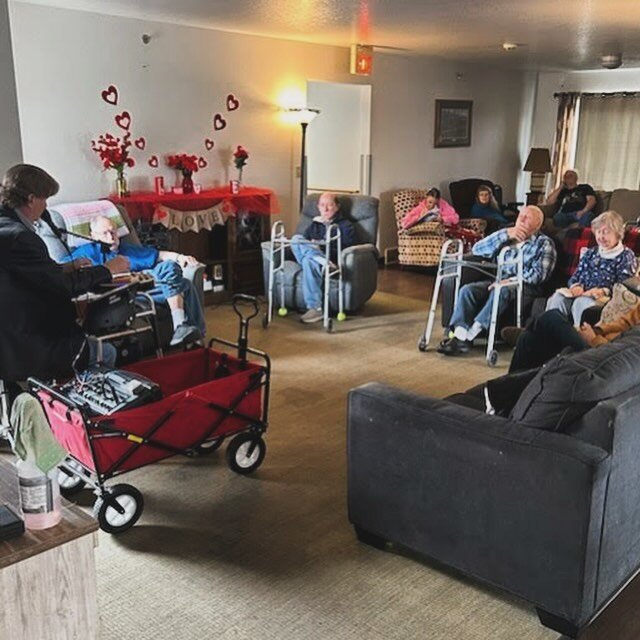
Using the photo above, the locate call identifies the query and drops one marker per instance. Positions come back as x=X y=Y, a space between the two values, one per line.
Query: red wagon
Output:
x=208 y=396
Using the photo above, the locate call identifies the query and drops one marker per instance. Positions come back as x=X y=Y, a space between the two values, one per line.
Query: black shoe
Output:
x=455 y=347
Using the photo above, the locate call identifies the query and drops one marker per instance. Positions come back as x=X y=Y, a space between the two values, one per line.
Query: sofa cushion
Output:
x=626 y=202
x=569 y=386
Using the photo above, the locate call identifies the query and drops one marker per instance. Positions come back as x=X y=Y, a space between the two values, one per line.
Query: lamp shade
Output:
x=539 y=161
x=302 y=116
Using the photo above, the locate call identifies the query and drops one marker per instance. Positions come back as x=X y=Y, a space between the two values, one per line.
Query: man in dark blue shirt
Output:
x=166 y=269
x=312 y=257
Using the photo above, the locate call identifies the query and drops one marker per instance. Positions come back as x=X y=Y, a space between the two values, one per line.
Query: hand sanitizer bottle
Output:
x=39 y=495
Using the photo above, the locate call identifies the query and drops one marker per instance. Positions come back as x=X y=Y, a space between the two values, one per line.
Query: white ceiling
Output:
x=561 y=34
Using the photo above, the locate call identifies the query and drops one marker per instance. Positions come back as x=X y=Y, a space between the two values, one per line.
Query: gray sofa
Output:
x=359 y=262
x=543 y=501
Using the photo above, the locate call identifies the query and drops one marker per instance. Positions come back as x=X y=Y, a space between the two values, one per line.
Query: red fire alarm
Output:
x=361 y=59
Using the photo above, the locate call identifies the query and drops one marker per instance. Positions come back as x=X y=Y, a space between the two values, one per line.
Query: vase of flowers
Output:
x=114 y=154
x=186 y=164
x=240 y=157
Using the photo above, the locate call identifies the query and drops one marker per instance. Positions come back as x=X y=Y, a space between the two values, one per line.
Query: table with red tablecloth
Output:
x=141 y=205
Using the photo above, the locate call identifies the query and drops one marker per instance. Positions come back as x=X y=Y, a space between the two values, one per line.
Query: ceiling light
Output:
x=509 y=46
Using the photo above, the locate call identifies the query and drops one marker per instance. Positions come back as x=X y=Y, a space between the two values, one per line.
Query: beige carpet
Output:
x=273 y=556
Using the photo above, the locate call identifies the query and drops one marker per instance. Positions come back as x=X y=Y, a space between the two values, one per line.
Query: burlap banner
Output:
x=194 y=220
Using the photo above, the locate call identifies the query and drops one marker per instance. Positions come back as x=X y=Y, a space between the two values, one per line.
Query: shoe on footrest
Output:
x=455 y=347
x=185 y=334
x=312 y=315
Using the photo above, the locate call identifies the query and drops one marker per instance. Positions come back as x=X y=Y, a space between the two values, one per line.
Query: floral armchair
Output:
x=421 y=244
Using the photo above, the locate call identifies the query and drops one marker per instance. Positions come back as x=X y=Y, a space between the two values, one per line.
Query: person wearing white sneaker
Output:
x=312 y=258
x=166 y=269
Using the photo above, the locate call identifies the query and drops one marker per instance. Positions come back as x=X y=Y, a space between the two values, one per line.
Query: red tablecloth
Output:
x=142 y=204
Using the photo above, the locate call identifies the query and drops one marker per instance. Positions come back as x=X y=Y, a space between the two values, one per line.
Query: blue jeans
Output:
x=168 y=277
x=474 y=304
x=109 y=353
x=562 y=219
x=570 y=307
x=312 y=259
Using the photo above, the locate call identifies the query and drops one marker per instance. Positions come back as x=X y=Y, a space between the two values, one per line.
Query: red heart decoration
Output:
x=153 y=161
x=110 y=94
x=232 y=102
x=141 y=143
x=202 y=163
x=219 y=122
x=123 y=120
x=160 y=215
x=208 y=143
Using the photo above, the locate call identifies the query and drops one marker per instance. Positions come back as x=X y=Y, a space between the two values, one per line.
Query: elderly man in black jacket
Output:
x=39 y=334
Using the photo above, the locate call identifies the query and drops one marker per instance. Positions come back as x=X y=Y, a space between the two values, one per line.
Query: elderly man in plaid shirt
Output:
x=472 y=312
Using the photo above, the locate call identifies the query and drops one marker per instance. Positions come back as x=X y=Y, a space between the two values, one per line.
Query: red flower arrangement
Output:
x=240 y=157
x=183 y=162
x=114 y=152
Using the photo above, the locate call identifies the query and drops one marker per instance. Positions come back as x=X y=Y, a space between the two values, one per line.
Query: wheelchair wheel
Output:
x=422 y=344
x=245 y=453
x=492 y=358
x=127 y=513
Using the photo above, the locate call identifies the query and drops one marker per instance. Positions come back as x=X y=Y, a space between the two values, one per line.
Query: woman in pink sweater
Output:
x=432 y=208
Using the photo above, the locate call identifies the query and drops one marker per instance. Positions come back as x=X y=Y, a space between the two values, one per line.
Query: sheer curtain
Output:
x=608 y=147
x=564 y=142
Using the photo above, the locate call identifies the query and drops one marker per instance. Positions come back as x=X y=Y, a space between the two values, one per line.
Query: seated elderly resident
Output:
x=472 y=311
x=598 y=270
x=576 y=201
x=166 y=269
x=310 y=254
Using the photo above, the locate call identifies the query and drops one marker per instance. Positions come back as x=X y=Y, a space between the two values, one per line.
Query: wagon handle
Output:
x=243 y=336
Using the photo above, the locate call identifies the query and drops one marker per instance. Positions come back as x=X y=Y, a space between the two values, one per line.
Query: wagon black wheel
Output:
x=245 y=453
x=69 y=482
x=209 y=446
x=114 y=519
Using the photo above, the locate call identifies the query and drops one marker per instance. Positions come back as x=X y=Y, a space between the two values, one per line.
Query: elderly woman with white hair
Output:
x=600 y=267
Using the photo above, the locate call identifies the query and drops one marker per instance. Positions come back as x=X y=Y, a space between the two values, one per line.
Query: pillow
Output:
x=568 y=386
x=622 y=300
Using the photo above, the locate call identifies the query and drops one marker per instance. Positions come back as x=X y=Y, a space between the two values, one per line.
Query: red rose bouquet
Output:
x=240 y=158
x=114 y=154
x=187 y=165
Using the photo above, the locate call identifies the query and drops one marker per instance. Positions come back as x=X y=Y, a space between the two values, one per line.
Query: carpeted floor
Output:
x=217 y=555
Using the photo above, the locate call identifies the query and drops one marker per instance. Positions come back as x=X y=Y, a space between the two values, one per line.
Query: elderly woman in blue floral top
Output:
x=600 y=267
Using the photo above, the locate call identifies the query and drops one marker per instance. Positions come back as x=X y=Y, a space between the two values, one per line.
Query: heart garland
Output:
x=141 y=143
x=153 y=161
x=208 y=143
x=123 y=120
x=232 y=102
x=110 y=94
x=202 y=163
x=219 y=122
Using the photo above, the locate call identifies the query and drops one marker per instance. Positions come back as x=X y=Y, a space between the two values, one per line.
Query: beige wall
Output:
x=175 y=84
x=10 y=148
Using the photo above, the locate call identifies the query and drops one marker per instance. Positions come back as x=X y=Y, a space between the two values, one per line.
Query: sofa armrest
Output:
x=360 y=250
x=195 y=274
x=520 y=508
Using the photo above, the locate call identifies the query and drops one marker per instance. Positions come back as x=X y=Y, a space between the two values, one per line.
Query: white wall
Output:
x=10 y=147
x=175 y=84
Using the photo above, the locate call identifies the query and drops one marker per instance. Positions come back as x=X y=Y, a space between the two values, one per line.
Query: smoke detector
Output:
x=611 y=60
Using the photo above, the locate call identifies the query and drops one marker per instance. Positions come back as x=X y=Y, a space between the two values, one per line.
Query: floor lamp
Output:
x=303 y=117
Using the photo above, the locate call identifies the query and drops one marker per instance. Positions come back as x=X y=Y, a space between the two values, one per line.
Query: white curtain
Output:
x=608 y=147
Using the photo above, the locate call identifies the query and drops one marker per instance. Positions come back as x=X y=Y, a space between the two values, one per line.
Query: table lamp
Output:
x=539 y=163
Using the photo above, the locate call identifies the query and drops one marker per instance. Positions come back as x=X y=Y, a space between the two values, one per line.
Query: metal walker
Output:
x=451 y=263
x=279 y=244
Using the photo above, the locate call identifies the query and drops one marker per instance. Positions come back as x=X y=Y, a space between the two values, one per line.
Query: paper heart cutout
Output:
x=219 y=122
x=202 y=163
x=160 y=215
x=153 y=161
x=110 y=94
x=232 y=102
x=141 y=143
x=208 y=143
x=123 y=120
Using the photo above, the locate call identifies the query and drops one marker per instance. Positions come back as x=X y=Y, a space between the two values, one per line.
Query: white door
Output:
x=338 y=140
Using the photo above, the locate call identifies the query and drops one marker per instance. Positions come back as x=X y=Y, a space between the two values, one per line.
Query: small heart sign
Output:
x=202 y=163
x=219 y=122
x=123 y=120
x=153 y=161
x=208 y=143
x=232 y=102
x=141 y=143
x=110 y=94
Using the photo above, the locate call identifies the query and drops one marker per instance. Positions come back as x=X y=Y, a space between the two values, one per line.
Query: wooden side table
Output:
x=48 y=577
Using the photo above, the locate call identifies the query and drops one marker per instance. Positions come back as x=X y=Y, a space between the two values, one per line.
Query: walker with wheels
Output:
x=279 y=245
x=450 y=266
x=208 y=396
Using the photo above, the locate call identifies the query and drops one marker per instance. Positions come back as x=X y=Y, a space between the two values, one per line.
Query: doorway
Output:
x=338 y=140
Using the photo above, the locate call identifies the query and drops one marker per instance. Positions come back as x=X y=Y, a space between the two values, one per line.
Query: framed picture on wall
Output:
x=453 y=123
